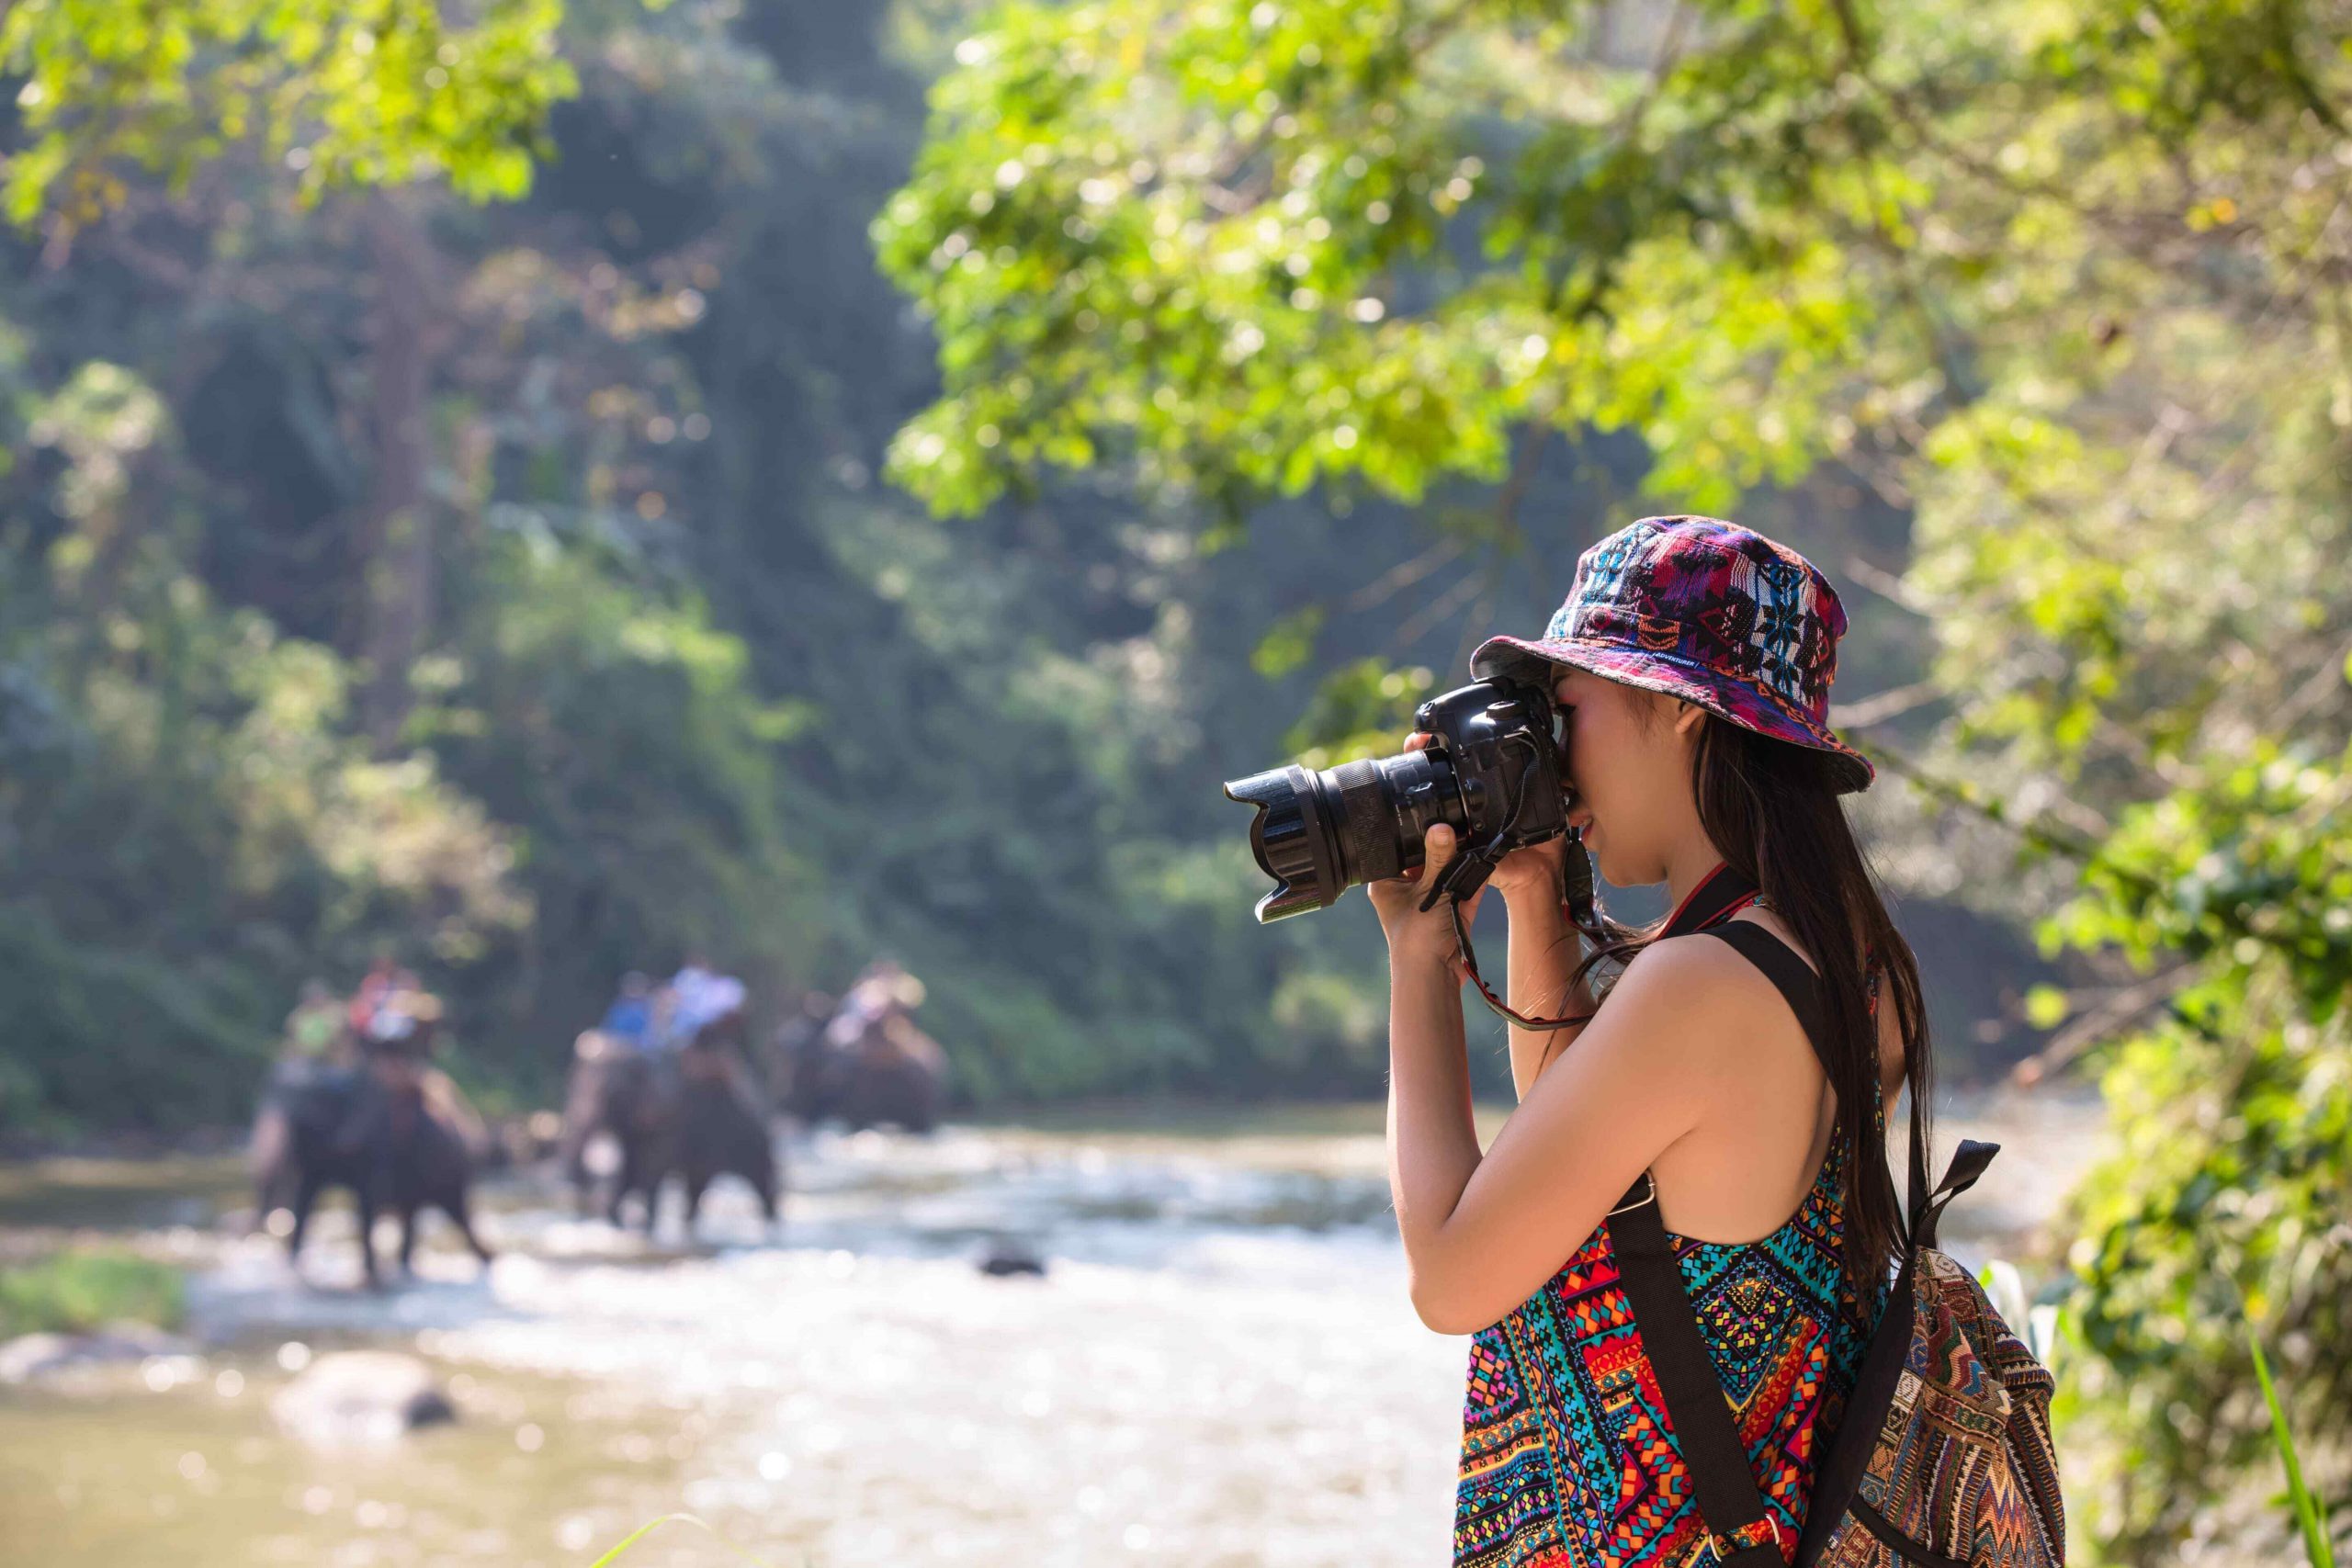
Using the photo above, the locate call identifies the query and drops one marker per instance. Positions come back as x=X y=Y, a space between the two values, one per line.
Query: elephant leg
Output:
x=653 y=1200
x=366 y=1199
x=763 y=1183
x=460 y=1212
x=628 y=1183
x=575 y=1173
x=624 y=1182
x=269 y=1158
x=408 y=1239
x=594 y=1194
x=582 y=1179
x=695 y=1183
x=306 y=1194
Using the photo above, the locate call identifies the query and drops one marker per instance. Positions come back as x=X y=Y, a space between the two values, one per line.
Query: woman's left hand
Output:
x=1413 y=933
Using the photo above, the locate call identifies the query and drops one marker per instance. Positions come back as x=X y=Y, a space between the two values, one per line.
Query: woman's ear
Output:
x=1687 y=721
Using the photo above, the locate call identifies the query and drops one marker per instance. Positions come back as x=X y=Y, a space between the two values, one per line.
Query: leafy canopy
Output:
x=340 y=93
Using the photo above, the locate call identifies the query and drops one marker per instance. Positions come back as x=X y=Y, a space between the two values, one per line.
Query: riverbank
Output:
x=76 y=1291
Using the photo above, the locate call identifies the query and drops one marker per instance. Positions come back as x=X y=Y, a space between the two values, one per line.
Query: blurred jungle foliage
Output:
x=444 y=517
x=445 y=513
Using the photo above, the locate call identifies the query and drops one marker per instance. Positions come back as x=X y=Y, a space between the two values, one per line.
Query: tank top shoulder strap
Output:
x=1805 y=990
x=1791 y=976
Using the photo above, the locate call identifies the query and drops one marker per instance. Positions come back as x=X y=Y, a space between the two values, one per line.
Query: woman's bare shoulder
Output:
x=1691 y=973
x=1890 y=1023
x=1702 y=982
x=1692 y=955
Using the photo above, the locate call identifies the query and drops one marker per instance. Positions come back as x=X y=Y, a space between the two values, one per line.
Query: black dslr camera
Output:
x=1491 y=771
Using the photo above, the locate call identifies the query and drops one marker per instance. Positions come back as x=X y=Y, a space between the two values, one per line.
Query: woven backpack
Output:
x=1943 y=1456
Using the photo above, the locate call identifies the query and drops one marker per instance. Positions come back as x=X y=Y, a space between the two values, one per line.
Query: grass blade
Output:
x=642 y=1532
x=2307 y=1509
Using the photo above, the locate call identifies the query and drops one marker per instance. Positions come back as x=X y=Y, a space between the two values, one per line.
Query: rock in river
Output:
x=361 y=1396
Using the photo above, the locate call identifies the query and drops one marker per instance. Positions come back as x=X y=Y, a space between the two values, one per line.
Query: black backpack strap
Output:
x=1967 y=1163
x=1803 y=990
x=1743 y=1533
x=1731 y=1509
x=1794 y=978
x=1791 y=976
x=1847 y=1454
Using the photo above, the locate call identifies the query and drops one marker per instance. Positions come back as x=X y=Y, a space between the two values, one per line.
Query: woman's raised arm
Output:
x=1481 y=1232
x=1543 y=954
x=1640 y=1078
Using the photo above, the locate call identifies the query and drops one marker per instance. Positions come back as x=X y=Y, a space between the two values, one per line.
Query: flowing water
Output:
x=1219 y=1365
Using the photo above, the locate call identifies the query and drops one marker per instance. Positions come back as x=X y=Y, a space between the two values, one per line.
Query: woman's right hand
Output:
x=1531 y=873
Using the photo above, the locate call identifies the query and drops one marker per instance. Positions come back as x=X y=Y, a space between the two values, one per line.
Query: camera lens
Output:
x=1490 y=767
x=1317 y=833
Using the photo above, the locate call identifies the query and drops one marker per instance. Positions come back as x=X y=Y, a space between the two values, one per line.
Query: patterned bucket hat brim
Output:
x=1708 y=610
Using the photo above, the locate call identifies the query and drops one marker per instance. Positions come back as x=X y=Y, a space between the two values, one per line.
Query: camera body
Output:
x=1491 y=771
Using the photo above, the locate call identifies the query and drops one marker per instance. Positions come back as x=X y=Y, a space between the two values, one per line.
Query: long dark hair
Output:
x=1772 y=809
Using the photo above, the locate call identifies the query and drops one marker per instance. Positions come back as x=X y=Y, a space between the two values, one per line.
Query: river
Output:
x=1218 y=1367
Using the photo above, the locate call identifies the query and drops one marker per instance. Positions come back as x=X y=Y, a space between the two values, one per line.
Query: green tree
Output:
x=372 y=93
x=189 y=826
x=219 y=749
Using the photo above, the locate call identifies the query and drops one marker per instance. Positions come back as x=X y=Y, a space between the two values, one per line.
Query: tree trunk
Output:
x=396 y=540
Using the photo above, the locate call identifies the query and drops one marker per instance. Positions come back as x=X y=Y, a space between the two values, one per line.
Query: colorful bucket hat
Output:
x=1708 y=610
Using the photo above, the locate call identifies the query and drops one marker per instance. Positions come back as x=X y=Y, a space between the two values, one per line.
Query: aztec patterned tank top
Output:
x=1568 y=1458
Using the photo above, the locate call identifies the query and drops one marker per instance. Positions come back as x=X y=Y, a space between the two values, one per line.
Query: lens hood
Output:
x=1291 y=836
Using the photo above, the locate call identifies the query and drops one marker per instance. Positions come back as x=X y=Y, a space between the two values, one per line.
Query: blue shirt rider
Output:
x=629 y=1019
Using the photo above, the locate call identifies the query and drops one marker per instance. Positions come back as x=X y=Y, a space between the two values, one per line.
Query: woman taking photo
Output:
x=1720 y=1102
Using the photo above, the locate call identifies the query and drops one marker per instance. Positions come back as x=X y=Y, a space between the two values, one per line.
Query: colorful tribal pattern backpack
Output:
x=1943 y=1458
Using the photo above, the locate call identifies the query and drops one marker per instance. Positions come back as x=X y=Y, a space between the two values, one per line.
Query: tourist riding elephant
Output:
x=889 y=1072
x=376 y=1131
x=687 y=1112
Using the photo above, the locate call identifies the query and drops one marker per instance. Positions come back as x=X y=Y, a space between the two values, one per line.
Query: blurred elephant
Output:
x=795 y=1056
x=687 y=1112
x=890 y=1072
x=378 y=1131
